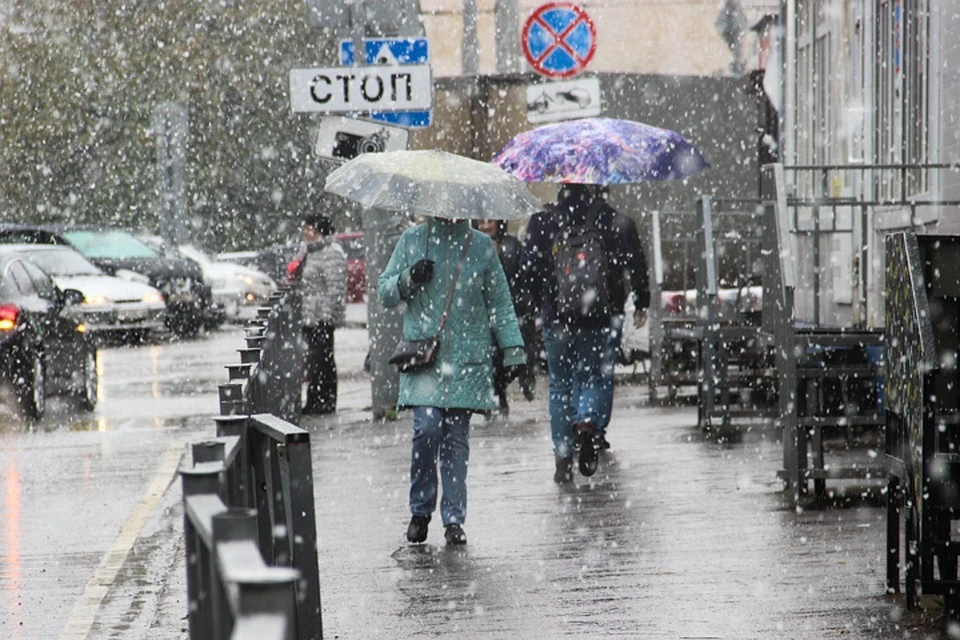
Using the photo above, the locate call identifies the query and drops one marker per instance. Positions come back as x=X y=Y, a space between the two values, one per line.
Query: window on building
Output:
x=903 y=93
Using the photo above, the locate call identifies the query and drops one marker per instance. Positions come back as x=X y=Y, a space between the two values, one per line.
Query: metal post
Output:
x=655 y=320
x=706 y=311
x=507 y=39
x=233 y=524
x=469 y=53
x=381 y=230
x=169 y=125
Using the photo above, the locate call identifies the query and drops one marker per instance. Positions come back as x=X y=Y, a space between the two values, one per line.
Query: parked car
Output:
x=120 y=253
x=110 y=305
x=276 y=261
x=232 y=285
x=353 y=244
x=271 y=261
x=44 y=346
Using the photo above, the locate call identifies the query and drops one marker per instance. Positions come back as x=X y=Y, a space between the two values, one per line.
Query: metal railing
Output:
x=269 y=376
x=735 y=379
x=250 y=533
x=826 y=374
x=249 y=511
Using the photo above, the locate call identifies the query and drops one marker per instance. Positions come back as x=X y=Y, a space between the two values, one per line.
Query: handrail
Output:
x=274 y=385
x=268 y=378
x=249 y=521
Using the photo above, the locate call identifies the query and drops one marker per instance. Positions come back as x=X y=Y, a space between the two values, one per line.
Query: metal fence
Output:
x=828 y=376
x=269 y=376
x=249 y=511
x=250 y=533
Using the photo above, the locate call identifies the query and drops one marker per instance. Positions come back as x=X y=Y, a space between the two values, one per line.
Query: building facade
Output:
x=869 y=116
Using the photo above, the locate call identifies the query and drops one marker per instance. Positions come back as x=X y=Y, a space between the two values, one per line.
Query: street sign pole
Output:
x=169 y=125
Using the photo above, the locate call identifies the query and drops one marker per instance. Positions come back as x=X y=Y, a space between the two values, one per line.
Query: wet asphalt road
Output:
x=677 y=536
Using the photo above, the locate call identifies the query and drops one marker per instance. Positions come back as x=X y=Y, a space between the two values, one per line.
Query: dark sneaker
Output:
x=564 y=472
x=601 y=442
x=588 y=452
x=417 y=531
x=454 y=534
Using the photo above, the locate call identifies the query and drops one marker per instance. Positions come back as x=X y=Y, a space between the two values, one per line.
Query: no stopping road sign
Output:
x=559 y=40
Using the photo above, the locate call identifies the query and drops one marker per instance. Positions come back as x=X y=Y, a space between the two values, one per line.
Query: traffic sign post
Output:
x=559 y=40
x=394 y=52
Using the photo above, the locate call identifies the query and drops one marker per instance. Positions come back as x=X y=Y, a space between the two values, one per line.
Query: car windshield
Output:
x=117 y=245
x=64 y=263
x=189 y=251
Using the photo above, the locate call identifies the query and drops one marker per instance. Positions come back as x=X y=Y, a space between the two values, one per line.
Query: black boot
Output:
x=417 y=531
x=454 y=534
x=564 y=472
x=588 y=451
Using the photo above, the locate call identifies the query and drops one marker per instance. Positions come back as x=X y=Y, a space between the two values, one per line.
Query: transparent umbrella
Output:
x=434 y=183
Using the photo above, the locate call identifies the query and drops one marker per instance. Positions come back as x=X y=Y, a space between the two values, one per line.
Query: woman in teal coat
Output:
x=420 y=273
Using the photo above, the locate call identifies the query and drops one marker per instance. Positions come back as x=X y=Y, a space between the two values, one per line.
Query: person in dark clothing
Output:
x=321 y=273
x=508 y=249
x=631 y=276
x=576 y=348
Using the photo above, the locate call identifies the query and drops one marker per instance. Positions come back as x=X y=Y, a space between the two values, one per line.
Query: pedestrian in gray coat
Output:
x=322 y=276
x=443 y=397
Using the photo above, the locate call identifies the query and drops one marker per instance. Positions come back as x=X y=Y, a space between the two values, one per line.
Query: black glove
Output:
x=517 y=371
x=422 y=271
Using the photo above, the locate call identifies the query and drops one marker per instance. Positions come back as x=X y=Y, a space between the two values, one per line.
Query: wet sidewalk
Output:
x=676 y=536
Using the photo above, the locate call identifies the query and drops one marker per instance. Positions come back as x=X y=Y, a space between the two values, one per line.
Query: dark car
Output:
x=44 y=347
x=352 y=244
x=120 y=253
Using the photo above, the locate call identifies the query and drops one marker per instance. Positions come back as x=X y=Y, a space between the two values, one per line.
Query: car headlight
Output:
x=96 y=299
x=153 y=297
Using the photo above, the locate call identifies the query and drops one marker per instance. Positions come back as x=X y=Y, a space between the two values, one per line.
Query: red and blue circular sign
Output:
x=559 y=40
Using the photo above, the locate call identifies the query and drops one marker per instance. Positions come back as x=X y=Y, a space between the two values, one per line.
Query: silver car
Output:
x=111 y=304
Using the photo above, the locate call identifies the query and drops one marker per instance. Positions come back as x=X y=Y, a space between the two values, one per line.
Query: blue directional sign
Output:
x=393 y=51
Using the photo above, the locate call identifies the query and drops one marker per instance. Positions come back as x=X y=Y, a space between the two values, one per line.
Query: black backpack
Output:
x=580 y=269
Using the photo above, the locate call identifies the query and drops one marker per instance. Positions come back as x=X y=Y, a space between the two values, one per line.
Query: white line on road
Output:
x=85 y=609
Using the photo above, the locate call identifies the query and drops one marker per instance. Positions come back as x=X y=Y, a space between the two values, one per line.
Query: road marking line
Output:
x=84 y=611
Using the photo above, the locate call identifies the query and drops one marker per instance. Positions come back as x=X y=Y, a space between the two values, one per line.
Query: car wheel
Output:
x=87 y=393
x=32 y=392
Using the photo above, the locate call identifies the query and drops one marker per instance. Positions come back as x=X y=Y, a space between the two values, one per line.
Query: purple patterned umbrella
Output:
x=599 y=151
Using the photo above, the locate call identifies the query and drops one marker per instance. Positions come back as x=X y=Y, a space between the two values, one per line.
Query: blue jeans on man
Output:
x=440 y=435
x=574 y=360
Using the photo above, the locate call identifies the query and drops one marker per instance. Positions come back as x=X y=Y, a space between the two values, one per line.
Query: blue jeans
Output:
x=440 y=434
x=574 y=358
x=611 y=349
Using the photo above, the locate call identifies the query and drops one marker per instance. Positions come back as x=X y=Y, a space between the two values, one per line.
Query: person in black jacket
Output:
x=579 y=351
x=508 y=249
x=630 y=276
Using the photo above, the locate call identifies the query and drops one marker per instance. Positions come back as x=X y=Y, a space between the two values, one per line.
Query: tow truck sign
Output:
x=361 y=89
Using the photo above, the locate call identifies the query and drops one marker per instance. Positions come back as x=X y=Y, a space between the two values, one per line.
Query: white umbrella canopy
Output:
x=433 y=183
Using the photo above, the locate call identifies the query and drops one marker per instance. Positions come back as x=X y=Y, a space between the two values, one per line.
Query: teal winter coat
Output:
x=481 y=310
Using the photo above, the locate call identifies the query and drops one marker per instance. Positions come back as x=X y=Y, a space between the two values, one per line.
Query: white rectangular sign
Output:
x=361 y=89
x=345 y=138
x=555 y=101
